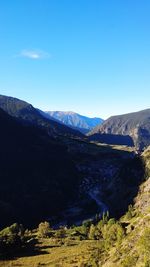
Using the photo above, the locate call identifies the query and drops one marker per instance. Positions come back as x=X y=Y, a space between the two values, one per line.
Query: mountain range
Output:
x=44 y=161
x=74 y=120
x=132 y=129
x=30 y=115
x=52 y=172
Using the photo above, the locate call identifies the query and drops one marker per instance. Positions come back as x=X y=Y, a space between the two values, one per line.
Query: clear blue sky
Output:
x=88 y=56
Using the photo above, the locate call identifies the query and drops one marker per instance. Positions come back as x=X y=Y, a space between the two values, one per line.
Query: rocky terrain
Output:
x=135 y=126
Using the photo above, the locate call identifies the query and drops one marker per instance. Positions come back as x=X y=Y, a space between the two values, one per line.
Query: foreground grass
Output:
x=54 y=253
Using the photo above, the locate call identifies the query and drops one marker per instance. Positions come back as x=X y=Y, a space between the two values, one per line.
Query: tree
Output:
x=91 y=234
x=44 y=229
x=112 y=234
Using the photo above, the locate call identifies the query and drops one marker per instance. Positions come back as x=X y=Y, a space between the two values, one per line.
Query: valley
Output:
x=85 y=193
x=101 y=179
x=103 y=242
x=74 y=133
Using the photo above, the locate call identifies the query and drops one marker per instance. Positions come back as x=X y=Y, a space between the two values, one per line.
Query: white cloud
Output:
x=34 y=54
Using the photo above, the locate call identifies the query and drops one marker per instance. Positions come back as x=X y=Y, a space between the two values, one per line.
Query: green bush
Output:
x=130 y=213
x=91 y=234
x=44 y=230
x=112 y=234
x=61 y=232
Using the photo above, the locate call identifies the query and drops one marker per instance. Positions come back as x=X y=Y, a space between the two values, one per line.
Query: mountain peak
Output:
x=75 y=120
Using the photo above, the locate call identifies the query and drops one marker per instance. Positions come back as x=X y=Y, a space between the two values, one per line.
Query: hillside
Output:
x=135 y=126
x=76 y=121
x=37 y=178
x=101 y=243
x=25 y=111
x=134 y=249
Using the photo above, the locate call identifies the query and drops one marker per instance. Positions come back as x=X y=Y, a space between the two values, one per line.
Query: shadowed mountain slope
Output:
x=25 y=111
x=37 y=176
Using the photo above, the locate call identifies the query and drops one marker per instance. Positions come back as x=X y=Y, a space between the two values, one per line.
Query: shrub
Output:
x=61 y=232
x=112 y=234
x=91 y=234
x=84 y=229
x=44 y=230
x=130 y=213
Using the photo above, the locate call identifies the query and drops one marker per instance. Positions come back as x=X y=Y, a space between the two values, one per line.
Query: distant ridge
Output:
x=76 y=121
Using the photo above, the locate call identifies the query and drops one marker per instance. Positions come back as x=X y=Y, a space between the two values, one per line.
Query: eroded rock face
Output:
x=136 y=125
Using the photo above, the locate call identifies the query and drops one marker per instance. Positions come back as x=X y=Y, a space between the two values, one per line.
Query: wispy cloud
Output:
x=34 y=54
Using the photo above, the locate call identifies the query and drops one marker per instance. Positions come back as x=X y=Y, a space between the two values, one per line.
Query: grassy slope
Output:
x=75 y=254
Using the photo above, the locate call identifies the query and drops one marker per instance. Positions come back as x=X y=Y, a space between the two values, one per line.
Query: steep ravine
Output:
x=103 y=181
